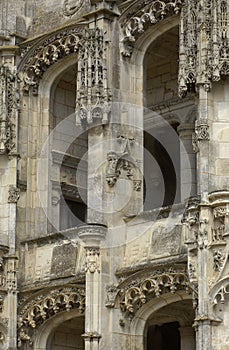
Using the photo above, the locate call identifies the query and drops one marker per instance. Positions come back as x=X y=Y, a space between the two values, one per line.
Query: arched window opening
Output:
x=161 y=171
x=165 y=116
x=69 y=150
x=171 y=327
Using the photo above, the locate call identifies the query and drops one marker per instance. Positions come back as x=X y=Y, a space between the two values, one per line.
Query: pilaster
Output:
x=92 y=237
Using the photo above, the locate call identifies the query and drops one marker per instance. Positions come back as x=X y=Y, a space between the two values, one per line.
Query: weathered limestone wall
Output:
x=219 y=136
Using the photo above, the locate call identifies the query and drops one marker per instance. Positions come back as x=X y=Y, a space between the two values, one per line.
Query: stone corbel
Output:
x=112 y=291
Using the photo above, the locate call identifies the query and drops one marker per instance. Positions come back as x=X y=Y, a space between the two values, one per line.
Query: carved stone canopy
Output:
x=138 y=17
x=38 y=56
x=33 y=313
x=136 y=293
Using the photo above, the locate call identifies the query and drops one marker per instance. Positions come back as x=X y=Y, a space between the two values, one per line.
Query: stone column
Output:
x=187 y=161
x=187 y=335
x=92 y=237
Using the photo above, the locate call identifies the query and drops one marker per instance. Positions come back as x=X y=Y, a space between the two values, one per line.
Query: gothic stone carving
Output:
x=123 y=164
x=46 y=305
x=205 y=23
x=143 y=14
x=218 y=258
x=201 y=134
x=218 y=230
x=14 y=194
x=9 y=108
x=134 y=296
x=93 y=96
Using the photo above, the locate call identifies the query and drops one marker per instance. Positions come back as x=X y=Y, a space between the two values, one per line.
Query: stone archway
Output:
x=171 y=327
x=45 y=311
x=67 y=335
x=162 y=309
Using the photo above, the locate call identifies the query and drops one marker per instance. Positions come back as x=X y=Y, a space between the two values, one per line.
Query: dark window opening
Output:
x=164 y=337
x=161 y=173
x=72 y=213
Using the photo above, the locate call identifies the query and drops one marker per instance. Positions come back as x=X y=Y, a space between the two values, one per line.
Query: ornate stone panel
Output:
x=93 y=95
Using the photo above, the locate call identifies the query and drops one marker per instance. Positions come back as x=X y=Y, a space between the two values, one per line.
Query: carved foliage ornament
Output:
x=9 y=108
x=132 y=298
x=45 y=306
x=204 y=44
x=143 y=14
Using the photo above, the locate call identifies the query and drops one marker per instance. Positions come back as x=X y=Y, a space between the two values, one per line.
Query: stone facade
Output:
x=114 y=164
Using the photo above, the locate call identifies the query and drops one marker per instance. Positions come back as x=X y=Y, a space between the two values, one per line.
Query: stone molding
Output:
x=92 y=234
